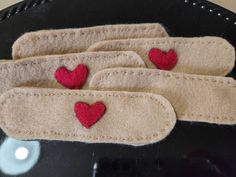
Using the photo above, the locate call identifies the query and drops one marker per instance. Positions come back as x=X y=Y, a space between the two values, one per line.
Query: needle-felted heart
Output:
x=72 y=79
x=89 y=114
x=162 y=60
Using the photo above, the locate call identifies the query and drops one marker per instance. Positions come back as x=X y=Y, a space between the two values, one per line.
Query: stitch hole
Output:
x=3 y=123
x=130 y=139
x=74 y=135
x=168 y=75
x=30 y=132
x=114 y=138
x=162 y=130
x=167 y=124
x=155 y=135
x=67 y=134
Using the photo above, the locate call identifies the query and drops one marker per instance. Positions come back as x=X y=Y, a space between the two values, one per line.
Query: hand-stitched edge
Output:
x=142 y=27
x=106 y=73
x=153 y=41
x=61 y=58
x=167 y=107
x=213 y=119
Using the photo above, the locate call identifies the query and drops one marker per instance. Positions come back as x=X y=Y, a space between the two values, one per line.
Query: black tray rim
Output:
x=210 y=7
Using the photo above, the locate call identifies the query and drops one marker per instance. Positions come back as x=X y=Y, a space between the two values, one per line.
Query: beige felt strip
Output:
x=77 y=40
x=205 y=55
x=130 y=118
x=195 y=98
x=39 y=71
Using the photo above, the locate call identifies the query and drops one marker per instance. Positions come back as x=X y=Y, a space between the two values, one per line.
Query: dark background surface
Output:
x=192 y=149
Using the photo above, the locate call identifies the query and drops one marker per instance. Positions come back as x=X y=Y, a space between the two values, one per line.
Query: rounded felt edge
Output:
x=98 y=76
x=98 y=46
x=130 y=54
x=172 y=117
x=136 y=56
x=231 y=62
x=24 y=37
x=96 y=84
x=231 y=57
x=18 y=134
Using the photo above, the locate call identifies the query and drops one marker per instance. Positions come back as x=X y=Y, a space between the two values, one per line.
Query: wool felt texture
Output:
x=39 y=71
x=194 y=97
x=74 y=79
x=47 y=42
x=162 y=60
x=130 y=118
x=201 y=55
x=89 y=114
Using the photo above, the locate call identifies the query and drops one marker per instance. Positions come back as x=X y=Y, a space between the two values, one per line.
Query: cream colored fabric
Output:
x=39 y=71
x=130 y=118
x=195 y=98
x=77 y=40
x=205 y=55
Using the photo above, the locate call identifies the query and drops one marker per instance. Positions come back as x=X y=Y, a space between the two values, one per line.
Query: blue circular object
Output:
x=17 y=157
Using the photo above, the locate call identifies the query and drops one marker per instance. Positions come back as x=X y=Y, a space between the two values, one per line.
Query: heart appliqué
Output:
x=89 y=114
x=72 y=79
x=163 y=60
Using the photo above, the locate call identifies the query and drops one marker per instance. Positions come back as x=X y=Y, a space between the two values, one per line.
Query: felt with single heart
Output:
x=48 y=42
x=72 y=79
x=39 y=71
x=89 y=114
x=194 y=97
x=124 y=121
x=200 y=55
x=163 y=60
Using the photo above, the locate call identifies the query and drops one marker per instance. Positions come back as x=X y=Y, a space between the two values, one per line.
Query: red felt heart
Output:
x=89 y=115
x=72 y=79
x=162 y=60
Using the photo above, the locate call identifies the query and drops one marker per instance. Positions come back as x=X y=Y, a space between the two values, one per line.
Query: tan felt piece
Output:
x=63 y=41
x=39 y=71
x=204 y=55
x=195 y=98
x=130 y=118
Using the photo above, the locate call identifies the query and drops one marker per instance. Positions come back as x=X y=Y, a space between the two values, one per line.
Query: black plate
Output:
x=192 y=149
